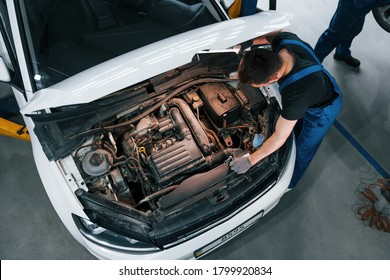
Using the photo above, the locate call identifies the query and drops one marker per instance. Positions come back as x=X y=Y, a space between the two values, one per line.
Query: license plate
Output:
x=224 y=238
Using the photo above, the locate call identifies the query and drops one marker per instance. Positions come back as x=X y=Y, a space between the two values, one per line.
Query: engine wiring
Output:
x=212 y=135
x=374 y=207
x=152 y=108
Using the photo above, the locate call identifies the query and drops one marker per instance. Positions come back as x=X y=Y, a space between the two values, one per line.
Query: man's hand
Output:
x=240 y=165
x=282 y=131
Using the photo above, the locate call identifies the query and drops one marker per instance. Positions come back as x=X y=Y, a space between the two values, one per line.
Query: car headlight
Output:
x=110 y=239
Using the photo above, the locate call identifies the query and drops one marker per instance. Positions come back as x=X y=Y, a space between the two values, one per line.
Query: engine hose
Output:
x=211 y=134
x=151 y=109
x=368 y=212
x=179 y=123
x=164 y=100
x=200 y=135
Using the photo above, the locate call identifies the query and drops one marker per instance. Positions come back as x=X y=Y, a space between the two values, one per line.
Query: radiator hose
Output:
x=197 y=130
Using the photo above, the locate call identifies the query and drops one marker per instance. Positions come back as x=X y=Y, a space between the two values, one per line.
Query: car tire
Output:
x=272 y=4
x=382 y=16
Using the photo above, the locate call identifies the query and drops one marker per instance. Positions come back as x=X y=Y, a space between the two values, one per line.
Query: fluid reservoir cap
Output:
x=195 y=98
x=96 y=163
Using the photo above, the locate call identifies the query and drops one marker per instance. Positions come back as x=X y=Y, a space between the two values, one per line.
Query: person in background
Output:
x=241 y=8
x=347 y=22
x=248 y=7
x=311 y=98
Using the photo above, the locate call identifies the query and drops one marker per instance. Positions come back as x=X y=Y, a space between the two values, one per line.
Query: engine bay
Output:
x=199 y=129
x=151 y=161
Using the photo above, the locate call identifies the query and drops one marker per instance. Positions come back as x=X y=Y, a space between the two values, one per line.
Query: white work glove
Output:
x=240 y=165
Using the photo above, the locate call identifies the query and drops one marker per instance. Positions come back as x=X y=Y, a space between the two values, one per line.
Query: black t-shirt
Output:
x=312 y=91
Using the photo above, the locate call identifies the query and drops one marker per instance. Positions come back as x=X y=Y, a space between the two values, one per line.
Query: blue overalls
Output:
x=312 y=128
x=347 y=22
x=248 y=7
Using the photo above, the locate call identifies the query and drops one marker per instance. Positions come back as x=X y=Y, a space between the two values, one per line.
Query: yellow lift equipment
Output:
x=12 y=129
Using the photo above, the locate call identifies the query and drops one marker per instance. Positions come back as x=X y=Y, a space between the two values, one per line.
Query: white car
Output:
x=134 y=112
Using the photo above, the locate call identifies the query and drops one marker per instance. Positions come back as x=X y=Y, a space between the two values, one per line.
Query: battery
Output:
x=221 y=106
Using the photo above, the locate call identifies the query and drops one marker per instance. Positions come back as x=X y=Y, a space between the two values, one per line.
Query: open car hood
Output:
x=153 y=59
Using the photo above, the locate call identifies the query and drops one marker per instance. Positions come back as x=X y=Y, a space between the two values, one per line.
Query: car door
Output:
x=10 y=71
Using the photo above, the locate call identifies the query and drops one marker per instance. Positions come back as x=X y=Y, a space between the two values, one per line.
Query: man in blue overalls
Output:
x=311 y=98
x=347 y=22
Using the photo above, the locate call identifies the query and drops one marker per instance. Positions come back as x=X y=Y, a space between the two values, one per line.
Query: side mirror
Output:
x=4 y=71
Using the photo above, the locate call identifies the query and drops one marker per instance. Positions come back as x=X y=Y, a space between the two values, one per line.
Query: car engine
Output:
x=149 y=154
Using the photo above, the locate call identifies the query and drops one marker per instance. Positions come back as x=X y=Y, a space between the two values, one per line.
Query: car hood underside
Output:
x=138 y=65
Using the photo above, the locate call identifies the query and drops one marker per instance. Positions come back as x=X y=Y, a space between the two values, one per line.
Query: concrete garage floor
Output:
x=314 y=221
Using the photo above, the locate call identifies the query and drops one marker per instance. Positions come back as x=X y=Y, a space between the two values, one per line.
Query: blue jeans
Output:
x=309 y=132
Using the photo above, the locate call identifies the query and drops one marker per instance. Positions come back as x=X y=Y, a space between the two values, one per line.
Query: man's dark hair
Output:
x=258 y=66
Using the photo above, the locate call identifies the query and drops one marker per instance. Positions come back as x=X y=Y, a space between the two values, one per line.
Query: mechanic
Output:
x=311 y=98
x=347 y=22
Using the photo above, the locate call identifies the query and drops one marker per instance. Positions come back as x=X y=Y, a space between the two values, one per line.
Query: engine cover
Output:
x=175 y=159
x=220 y=103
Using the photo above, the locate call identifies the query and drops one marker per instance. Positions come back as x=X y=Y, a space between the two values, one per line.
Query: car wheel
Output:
x=382 y=17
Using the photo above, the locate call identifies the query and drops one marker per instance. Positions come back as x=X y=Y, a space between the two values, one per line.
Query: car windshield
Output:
x=65 y=37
